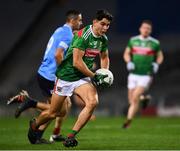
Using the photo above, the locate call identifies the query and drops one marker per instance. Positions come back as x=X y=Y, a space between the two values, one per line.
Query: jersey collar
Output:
x=142 y=38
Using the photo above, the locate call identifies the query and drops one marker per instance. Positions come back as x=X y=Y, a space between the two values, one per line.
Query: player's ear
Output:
x=95 y=21
x=72 y=21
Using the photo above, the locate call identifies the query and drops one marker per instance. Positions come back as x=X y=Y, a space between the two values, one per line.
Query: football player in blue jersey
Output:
x=54 y=54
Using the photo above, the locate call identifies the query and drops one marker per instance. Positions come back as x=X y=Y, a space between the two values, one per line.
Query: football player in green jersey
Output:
x=54 y=54
x=74 y=75
x=143 y=57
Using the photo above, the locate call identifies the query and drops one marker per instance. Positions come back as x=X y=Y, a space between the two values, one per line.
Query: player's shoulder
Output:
x=154 y=40
x=63 y=30
x=84 y=32
x=59 y=30
x=63 y=33
x=135 y=37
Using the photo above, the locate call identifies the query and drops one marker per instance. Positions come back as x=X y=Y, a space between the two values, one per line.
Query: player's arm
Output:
x=127 y=58
x=127 y=55
x=104 y=58
x=59 y=55
x=160 y=57
x=79 y=63
x=62 y=47
x=158 y=61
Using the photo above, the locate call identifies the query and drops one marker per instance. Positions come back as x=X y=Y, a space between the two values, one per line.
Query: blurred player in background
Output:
x=54 y=54
x=143 y=56
x=74 y=73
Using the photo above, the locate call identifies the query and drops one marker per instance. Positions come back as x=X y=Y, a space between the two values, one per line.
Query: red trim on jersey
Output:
x=80 y=32
x=143 y=51
x=91 y=52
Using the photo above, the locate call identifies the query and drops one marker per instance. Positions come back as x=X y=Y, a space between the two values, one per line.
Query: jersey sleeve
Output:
x=79 y=42
x=64 y=43
x=129 y=45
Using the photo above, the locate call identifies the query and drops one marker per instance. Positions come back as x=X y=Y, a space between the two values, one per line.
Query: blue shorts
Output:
x=46 y=86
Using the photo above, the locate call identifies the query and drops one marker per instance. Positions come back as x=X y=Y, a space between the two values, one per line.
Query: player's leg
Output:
x=89 y=95
x=131 y=88
x=81 y=104
x=56 y=136
x=130 y=94
x=25 y=102
x=54 y=110
x=145 y=99
x=136 y=87
x=134 y=105
x=30 y=103
x=135 y=102
x=46 y=88
x=46 y=116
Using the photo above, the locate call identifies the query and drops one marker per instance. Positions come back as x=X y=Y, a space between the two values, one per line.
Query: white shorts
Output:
x=66 y=88
x=135 y=80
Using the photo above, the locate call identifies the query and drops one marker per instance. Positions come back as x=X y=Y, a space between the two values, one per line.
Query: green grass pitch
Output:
x=105 y=133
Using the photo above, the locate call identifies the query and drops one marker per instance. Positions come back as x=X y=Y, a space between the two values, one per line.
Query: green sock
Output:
x=73 y=133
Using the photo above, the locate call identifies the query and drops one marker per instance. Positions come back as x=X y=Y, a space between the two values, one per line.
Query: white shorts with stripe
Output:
x=135 y=80
x=66 y=88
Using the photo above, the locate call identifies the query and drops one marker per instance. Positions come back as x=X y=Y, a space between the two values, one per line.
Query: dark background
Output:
x=26 y=25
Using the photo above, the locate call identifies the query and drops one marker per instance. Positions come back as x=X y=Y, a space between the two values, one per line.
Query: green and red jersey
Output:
x=143 y=53
x=86 y=41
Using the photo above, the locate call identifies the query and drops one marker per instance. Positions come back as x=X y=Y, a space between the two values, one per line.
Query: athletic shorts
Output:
x=66 y=88
x=135 y=80
x=46 y=86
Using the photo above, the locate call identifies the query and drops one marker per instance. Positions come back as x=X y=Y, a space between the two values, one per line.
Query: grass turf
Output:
x=101 y=134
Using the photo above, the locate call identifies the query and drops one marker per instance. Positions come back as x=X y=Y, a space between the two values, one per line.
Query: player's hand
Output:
x=155 y=67
x=98 y=80
x=130 y=66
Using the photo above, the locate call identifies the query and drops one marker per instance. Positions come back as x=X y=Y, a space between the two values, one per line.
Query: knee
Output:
x=52 y=114
x=92 y=103
x=135 y=98
x=134 y=103
x=62 y=113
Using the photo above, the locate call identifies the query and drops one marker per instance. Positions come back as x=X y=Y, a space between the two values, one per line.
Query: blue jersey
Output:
x=61 y=38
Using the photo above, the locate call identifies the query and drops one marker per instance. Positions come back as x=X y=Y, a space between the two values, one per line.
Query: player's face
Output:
x=101 y=26
x=145 y=30
x=77 y=22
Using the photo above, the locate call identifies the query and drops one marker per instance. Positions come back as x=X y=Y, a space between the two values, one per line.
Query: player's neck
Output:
x=144 y=37
x=70 y=25
x=94 y=31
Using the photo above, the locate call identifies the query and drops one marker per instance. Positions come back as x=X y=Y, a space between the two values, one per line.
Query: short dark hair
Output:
x=72 y=14
x=149 y=22
x=100 y=14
